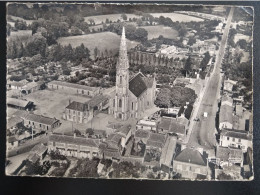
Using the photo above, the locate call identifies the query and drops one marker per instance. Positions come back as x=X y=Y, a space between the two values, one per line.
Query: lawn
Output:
x=156 y=31
x=112 y=17
x=178 y=17
x=102 y=40
x=20 y=36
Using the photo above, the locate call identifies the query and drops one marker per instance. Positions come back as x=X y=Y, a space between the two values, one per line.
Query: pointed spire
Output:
x=123 y=59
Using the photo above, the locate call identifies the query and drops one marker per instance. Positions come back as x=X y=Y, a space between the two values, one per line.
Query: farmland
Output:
x=156 y=31
x=178 y=17
x=102 y=40
x=20 y=35
x=110 y=17
x=28 y=22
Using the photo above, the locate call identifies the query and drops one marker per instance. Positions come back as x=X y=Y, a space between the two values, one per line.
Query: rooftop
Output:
x=30 y=85
x=191 y=156
x=236 y=134
x=78 y=106
x=137 y=85
x=224 y=154
x=18 y=102
x=13 y=121
x=40 y=119
x=73 y=85
x=97 y=100
x=141 y=133
x=73 y=140
x=226 y=114
x=39 y=149
x=168 y=151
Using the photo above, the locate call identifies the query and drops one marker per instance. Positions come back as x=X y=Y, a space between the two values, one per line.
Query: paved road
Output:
x=203 y=132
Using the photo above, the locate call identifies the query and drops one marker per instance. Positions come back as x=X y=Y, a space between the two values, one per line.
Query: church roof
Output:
x=137 y=85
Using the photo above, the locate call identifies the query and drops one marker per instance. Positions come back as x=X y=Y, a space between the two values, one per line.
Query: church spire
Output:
x=123 y=59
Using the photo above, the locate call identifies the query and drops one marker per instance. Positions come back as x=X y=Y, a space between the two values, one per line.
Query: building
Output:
x=228 y=86
x=191 y=164
x=13 y=122
x=133 y=95
x=74 y=88
x=40 y=122
x=226 y=117
x=79 y=147
x=30 y=87
x=78 y=112
x=12 y=143
x=15 y=85
x=229 y=156
x=156 y=141
x=168 y=153
x=236 y=139
x=38 y=152
x=19 y=104
x=146 y=125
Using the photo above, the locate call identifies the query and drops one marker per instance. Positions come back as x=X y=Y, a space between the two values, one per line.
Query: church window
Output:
x=120 y=103
x=120 y=79
x=148 y=103
x=132 y=105
x=113 y=102
x=82 y=91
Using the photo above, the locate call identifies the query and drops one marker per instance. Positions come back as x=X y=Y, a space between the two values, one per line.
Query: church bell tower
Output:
x=122 y=81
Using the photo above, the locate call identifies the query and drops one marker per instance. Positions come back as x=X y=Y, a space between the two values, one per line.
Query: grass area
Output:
x=178 y=17
x=20 y=36
x=241 y=36
x=156 y=31
x=112 y=17
x=28 y=22
x=102 y=40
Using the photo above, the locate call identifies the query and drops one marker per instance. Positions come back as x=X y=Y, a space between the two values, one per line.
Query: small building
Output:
x=38 y=152
x=30 y=87
x=228 y=85
x=15 y=85
x=19 y=104
x=74 y=88
x=12 y=143
x=168 y=153
x=227 y=100
x=13 y=122
x=236 y=139
x=146 y=125
x=191 y=164
x=99 y=102
x=156 y=141
x=79 y=147
x=78 y=112
x=229 y=156
x=41 y=122
x=226 y=117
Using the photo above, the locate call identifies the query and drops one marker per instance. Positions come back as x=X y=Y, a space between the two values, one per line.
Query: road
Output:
x=203 y=132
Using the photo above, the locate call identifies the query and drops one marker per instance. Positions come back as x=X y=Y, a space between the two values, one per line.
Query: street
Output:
x=203 y=132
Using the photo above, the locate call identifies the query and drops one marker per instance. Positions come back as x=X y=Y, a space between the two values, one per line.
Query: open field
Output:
x=241 y=36
x=178 y=17
x=52 y=103
x=112 y=17
x=102 y=40
x=20 y=36
x=28 y=22
x=156 y=31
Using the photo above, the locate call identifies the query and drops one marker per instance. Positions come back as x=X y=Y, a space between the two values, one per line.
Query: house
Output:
x=79 y=147
x=38 y=152
x=239 y=110
x=13 y=122
x=226 y=117
x=227 y=100
x=228 y=85
x=12 y=143
x=229 y=156
x=191 y=164
x=19 y=104
x=78 y=112
x=41 y=122
x=15 y=85
x=168 y=153
x=74 y=88
x=100 y=168
x=99 y=102
x=236 y=138
x=156 y=141
x=146 y=125
x=30 y=87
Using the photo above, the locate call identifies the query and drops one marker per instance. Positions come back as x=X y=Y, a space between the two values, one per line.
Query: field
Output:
x=102 y=40
x=28 y=22
x=112 y=17
x=241 y=36
x=156 y=31
x=178 y=17
x=20 y=36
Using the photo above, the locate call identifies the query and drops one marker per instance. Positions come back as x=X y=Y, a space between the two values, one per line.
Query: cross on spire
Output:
x=123 y=59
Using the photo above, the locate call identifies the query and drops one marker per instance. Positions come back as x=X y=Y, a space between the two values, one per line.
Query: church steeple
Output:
x=123 y=59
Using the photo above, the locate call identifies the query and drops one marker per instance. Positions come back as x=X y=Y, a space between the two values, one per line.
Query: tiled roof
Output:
x=154 y=144
x=177 y=127
x=97 y=100
x=141 y=133
x=165 y=123
x=224 y=154
x=78 y=106
x=137 y=85
x=124 y=130
x=71 y=140
x=17 y=84
x=114 y=137
x=17 y=102
x=226 y=114
x=156 y=140
x=30 y=85
x=39 y=149
x=40 y=119
x=168 y=151
x=20 y=113
x=12 y=139
x=191 y=156
x=13 y=121
x=236 y=134
x=73 y=85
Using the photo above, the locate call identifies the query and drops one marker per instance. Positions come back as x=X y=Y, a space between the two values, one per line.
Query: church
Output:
x=133 y=94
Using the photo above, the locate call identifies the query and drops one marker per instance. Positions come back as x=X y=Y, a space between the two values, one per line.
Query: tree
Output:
x=36 y=45
x=163 y=98
x=95 y=52
x=205 y=61
x=141 y=34
x=124 y=16
x=89 y=131
x=242 y=44
x=188 y=65
x=139 y=22
x=20 y=25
